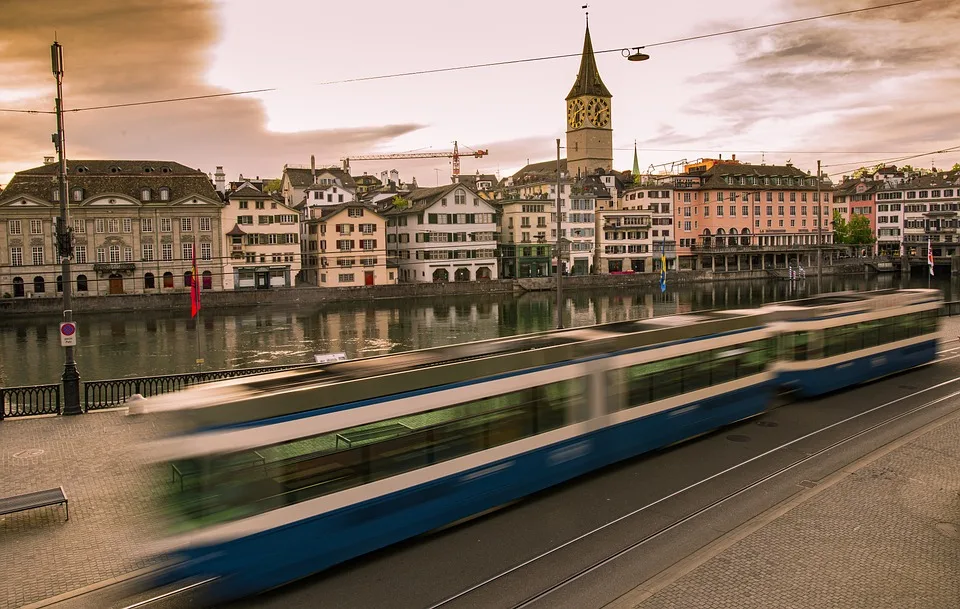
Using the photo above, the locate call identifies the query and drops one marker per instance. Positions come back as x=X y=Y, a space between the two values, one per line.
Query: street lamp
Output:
x=635 y=55
x=71 y=377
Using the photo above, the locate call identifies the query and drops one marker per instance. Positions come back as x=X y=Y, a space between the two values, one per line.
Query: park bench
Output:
x=29 y=501
x=183 y=469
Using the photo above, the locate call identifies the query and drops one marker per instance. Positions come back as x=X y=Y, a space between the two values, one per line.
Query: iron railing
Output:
x=111 y=393
x=29 y=400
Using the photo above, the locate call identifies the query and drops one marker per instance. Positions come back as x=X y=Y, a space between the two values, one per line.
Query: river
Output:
x=153 y=343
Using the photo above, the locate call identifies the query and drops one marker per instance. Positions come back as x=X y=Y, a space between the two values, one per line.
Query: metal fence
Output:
x=29 y=400
x=114 y=392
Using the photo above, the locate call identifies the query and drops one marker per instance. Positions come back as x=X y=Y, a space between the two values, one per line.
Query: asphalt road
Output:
x=565 y=530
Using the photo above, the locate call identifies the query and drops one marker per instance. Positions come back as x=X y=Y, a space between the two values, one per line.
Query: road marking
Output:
x=169 y=594
x=602 y=527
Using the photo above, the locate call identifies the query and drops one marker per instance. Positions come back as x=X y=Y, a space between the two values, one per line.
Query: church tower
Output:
x=589 y=126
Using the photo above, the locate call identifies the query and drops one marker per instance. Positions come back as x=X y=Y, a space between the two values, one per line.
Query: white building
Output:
x=262 y=236
x=298 y=178
x=446 y=233
x=656 y=197
x=623 y=242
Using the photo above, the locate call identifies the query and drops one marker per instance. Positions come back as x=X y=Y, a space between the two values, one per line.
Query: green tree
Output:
x=840 y=230
x=956 y=167
x=272 y=186
x=399 y=202
x=858 y=230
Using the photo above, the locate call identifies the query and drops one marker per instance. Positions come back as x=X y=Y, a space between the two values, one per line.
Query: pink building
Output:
x=858 y=196
x=734 y=216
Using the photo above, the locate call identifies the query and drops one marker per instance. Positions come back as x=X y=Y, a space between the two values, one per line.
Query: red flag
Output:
x=194 y=287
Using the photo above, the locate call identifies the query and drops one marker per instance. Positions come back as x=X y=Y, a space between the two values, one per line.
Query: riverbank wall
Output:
x=310 y=295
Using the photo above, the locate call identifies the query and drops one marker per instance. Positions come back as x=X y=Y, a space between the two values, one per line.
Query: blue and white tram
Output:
x=838 y=341
x=279 y=498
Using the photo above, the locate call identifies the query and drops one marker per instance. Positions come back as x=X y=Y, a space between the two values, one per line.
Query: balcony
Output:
x=114 y=267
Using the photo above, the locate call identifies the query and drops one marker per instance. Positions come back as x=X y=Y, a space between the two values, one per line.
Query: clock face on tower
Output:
x=575 y=113
x=598 y=111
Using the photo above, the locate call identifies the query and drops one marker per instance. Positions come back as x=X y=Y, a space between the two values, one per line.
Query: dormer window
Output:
x=147 y=169
x=56 y=194
x=78 y=194
x=145 y=194
x=164 y=194
x=165 y=170
x=114 y=169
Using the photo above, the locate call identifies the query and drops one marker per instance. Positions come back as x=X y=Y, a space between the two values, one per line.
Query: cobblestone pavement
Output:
x=886 y=536
x=94 y=458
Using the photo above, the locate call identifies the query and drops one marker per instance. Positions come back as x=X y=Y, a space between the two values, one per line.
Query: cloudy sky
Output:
x=848 y=90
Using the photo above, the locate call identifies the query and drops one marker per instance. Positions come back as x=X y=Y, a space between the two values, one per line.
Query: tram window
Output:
x=306 y=468
x=930 y=320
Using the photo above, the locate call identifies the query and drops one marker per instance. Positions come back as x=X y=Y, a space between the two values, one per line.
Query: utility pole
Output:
x=71 y=377
x=559 y=248
x=819 y=234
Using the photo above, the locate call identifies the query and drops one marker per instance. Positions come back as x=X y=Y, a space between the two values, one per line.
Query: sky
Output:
x=849 y=90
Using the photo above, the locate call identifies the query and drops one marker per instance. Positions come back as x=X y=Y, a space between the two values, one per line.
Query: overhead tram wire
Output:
x=892 y=160
x=486 y=64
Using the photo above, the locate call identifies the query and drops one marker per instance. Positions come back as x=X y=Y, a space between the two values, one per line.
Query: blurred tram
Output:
x=284 y=475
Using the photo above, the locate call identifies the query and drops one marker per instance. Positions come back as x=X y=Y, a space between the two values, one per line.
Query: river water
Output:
x=167 y=342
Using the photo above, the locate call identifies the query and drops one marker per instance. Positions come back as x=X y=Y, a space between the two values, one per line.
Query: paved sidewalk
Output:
x=882 y=533
x=94 y=458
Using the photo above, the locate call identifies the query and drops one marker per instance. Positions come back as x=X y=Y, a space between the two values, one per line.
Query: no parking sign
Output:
x=68 y=334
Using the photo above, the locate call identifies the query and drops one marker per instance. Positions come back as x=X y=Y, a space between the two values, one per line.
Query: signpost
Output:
x=68 y=334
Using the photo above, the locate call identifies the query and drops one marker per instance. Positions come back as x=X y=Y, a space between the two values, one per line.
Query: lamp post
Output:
x=70 y=377
x=819 y=234
x=559 y=272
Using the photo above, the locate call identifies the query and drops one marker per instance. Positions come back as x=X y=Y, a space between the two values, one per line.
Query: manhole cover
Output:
x=768 y=424
x=949 y=529
x=29 y=453
x=738 y=438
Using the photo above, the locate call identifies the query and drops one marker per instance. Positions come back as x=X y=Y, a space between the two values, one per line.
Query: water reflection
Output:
x=140 y=344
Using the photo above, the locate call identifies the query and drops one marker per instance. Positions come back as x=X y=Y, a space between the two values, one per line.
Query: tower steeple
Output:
x=589 y=118
x=636 y=164
x=588 y=78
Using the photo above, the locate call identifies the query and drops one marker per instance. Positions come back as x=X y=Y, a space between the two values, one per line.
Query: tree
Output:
x=956 y=167
x=840 y=230
x=272 y=186
x=858 y=230
x=399 y=202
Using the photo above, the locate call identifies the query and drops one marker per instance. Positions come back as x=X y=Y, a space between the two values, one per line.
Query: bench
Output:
x=377 y=433
x=29 y=501
x=188 y=468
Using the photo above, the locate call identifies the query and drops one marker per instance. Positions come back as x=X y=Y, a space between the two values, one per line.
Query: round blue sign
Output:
x=68 y=329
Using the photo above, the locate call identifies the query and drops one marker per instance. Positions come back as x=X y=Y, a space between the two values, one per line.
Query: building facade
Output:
x=261 y=242
x=136 y=226
x=346 y=247
x=525 y=249
x=446 y=233
x=654 y=194
x=297 y=178
x=734 y=216
x=623 y=242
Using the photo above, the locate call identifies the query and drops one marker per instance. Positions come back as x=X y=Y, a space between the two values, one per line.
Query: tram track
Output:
x=563 y=583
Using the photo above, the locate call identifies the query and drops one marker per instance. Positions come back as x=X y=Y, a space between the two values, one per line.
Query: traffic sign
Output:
x=68 y=334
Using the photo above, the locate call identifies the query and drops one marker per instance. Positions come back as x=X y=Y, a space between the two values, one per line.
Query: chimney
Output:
x=395 y=176
x=313 y=169
x=48 y=160
x=733 y=157
x=220 y=179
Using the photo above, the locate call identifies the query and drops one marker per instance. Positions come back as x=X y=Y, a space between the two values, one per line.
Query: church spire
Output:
x=636 y=164
x=588 y=78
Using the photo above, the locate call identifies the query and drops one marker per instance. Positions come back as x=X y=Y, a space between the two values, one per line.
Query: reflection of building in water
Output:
x=357 y=333
x=447 y=323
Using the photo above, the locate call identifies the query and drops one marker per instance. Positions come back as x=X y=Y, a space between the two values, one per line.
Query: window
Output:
x=100 y=225
x=245 y=204
x=779 y=210
x=793 y=197
x=146 y=225
x=166 y=225
x=128 y=225
x=145 y=194
x=345 y=277
x=745 y=210
x=188 y=279
x=769 y=197
x=37 y=255
x=186 y=225
x=16 y=256
x=459 y=198
x=368 y=244
x=38 y=285
x=146 y=252
x=14 y=227
x=114 y=253
x=355 y=212
x=259 y=205
x=78 y=194
x=166 y=252
x=80 y=254
x=164 y=194
x=168 y=279
x=402 y=444
x=149 y=282
x=36 y=227
x=79 y=226
x=206 y=251
x=186 y=251
x=205 y=224
x=113 y=226
x=207 y=277
x=344 y=244
x=793 y=210
x=128 y=254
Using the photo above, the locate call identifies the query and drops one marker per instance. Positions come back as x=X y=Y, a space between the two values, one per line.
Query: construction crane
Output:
x=455 y=155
